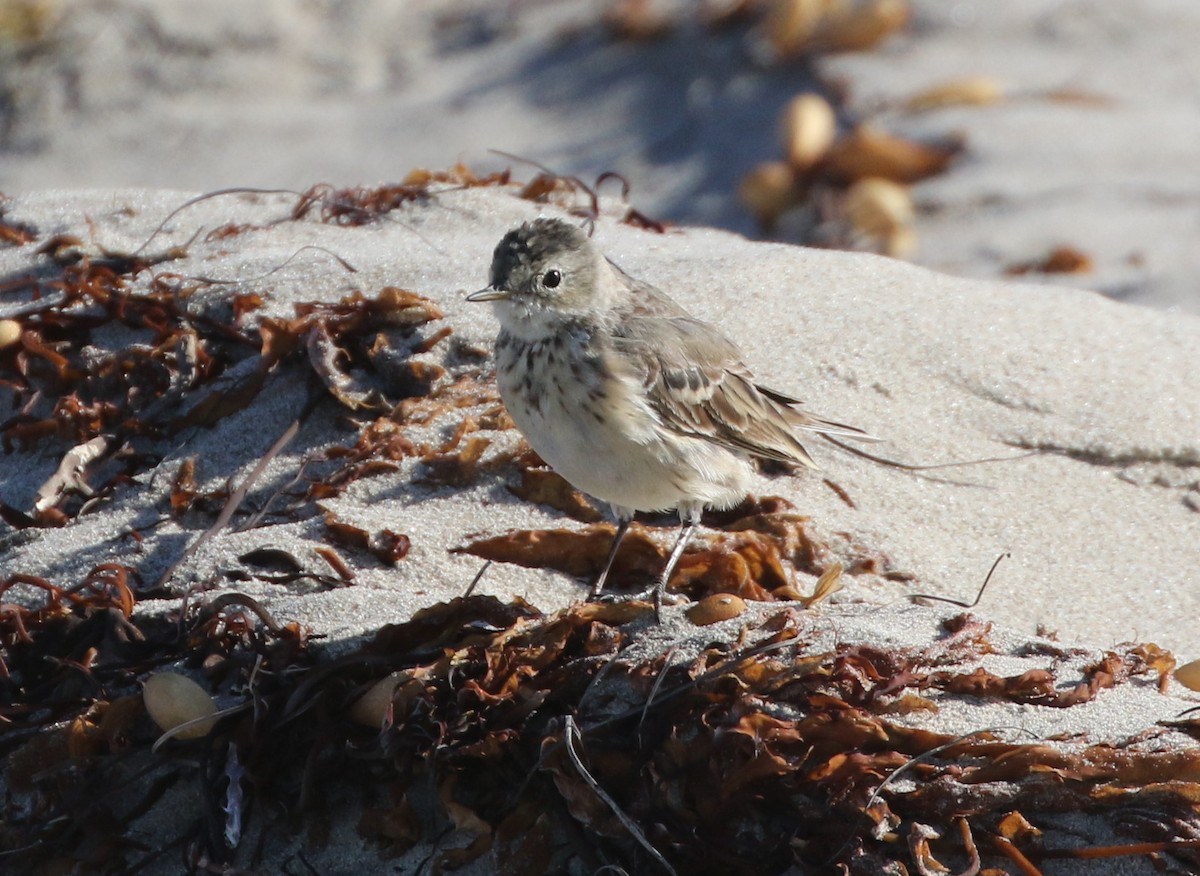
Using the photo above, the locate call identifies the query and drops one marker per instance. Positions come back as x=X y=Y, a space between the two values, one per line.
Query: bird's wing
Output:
x=699 y=386
x=811 y=423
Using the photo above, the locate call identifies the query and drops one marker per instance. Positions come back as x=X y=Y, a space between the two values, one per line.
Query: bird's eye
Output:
x=551 y=279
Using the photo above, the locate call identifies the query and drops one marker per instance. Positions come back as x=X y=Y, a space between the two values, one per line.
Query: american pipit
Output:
x=627 y=396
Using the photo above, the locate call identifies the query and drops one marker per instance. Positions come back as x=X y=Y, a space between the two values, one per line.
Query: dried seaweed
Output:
x=359 y=206
x=751 y=756
x=547 y=487
x=754 y=556
x=567 y=191
x=182 y=368
x=385 y=545
x=14 y=233
x=1060 y=260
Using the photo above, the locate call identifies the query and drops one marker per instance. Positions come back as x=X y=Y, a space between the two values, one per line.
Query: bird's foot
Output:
x=656 y=594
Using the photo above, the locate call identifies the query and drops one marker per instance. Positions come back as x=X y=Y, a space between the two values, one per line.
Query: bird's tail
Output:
x=809 y=423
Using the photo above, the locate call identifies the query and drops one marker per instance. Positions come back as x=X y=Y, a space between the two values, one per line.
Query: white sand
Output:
x=944 y=369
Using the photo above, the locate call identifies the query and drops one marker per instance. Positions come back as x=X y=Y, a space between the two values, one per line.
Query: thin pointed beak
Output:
x=491 y=293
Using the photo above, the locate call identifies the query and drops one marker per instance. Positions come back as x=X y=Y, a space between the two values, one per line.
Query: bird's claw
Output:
x=655 y=594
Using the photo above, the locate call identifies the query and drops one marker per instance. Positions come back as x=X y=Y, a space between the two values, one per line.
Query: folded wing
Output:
x=698 y=385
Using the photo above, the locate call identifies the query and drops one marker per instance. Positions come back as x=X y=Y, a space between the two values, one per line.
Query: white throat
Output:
x=527 y=323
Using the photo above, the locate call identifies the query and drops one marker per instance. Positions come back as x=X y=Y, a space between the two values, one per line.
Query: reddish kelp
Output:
x=546 y=740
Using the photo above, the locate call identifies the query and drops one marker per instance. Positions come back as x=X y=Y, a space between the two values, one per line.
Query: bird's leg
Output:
x=685 y=534
x=622 y=527
x=657 y=592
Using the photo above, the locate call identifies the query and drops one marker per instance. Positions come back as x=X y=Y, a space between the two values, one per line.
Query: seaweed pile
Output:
x=571 y=740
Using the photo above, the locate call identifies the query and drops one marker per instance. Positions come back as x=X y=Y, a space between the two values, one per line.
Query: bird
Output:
x=625 y=394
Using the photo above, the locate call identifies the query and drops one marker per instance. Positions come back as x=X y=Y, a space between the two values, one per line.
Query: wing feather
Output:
x=698 y=385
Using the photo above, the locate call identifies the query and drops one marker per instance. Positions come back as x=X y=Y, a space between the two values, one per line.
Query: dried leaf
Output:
x=525 y=842
x=1060 y=260
x=386 y=546
x=796 y=27
x=828 y=584
x=16 y=233
x=792 y=536
x=919 y=836
x=389 y=547
x=547 y=487
x=183 y=487
x=545 y=184
x=768 y=190
x=1015 y=828
x=868 y=152
x=466 y=821
x=460 y=467
x=396 y=306
x=968 y=91
x=747 y=564
x=324 y=354
x=639 y=19
x=398 y=826
x=335 y=562
x=68 y=477
x=576 y=553
x=910 y=704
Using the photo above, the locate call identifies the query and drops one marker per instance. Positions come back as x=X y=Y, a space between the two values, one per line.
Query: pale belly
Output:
x=601 y=436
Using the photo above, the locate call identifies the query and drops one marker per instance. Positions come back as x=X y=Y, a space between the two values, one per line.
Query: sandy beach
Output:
x=281 y=400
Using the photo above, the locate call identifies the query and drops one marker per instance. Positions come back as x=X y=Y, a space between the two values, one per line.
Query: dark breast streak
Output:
x=564 y=368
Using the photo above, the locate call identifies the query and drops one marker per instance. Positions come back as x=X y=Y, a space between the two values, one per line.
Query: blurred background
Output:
x=1050 y=140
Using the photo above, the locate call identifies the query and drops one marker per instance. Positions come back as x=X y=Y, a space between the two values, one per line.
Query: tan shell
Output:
x=900 y=243
x=878 y=206
x=1189 y=675
x=173 y=699
x=715 y=608
x=768 y=190
x=881 y=213
x=10 y=332
x=809 y=127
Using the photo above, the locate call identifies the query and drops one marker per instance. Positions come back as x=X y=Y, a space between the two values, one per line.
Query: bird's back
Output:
x=697 y=381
